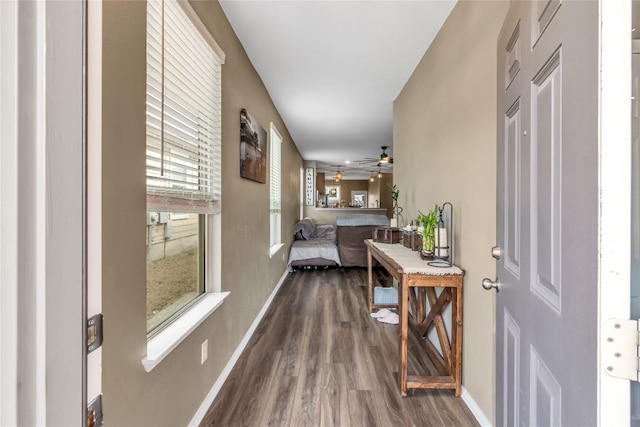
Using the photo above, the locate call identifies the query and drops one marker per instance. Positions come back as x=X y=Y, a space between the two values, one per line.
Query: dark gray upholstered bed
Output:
x=352 y=231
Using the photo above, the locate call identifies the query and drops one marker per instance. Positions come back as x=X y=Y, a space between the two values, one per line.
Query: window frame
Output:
x=178 y=326
x=329 y=197
x=275 y=194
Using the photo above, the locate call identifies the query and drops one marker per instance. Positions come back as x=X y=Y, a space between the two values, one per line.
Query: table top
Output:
x=410 y=262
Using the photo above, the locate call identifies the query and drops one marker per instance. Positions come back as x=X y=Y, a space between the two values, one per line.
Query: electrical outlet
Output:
x=204 y=351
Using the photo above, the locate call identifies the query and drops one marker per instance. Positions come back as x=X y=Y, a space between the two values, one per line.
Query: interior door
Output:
x=547 y=214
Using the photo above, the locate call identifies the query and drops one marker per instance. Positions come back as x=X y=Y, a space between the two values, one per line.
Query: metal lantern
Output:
x=443 y=250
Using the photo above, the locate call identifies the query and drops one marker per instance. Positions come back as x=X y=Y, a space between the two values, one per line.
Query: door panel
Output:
x=547 y=212
x=511 y=371
x=545 y=396
x=543 y=13
x=546 y=141
x=512 y=56
x=513 y=186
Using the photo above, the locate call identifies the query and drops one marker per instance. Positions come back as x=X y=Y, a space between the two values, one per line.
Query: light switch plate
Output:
x=204 y=352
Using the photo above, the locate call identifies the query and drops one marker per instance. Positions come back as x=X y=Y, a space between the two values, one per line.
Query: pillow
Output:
x=306 y=228
x=326 y=232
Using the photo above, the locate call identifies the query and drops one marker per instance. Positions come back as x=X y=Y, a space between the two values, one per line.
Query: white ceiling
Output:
x=334 y=68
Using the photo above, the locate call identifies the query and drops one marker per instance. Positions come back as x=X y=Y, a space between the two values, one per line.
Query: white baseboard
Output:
x=475 y=409
x=206 y=404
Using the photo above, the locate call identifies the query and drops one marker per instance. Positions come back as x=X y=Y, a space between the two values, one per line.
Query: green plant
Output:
x=397 y=210
x=429 y=222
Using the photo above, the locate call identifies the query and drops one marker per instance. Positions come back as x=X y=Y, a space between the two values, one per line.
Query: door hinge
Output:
x=620 y=348
x=94 y=332
x=94 y=412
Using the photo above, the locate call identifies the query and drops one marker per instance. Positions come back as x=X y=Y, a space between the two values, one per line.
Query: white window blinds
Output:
x=183 y=113
x=276 y=171
x=275 y=195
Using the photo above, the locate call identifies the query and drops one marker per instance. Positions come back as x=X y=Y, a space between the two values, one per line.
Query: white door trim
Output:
x=41 y=270
x=615 y=190
x=94 y=186
x=8 y=212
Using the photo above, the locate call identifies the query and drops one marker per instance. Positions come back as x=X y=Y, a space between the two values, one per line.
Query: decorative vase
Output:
x=425 y=254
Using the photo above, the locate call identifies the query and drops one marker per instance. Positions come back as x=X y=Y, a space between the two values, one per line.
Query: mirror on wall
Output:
x=333 y=195
x=359 y=199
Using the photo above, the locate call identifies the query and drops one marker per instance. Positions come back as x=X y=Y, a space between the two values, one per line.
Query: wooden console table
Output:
x=417 y=284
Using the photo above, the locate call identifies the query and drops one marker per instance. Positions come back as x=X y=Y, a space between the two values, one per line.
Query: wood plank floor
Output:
x=319 y=359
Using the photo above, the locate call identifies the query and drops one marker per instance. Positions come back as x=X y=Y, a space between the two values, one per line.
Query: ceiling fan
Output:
x=384 y=163
x=384 y=157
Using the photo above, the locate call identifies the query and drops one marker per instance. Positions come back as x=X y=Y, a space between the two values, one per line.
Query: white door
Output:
x=547 y=214
x=42 y=240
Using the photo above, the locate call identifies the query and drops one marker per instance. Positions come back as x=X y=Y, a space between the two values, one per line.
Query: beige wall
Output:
x=386 y=184
x=380 y=190
x=444 y=150
x=171 y=393
x=373 y=192
x=320 y=182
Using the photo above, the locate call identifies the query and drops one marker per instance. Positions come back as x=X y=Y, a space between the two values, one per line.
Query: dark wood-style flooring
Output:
x=319 y=359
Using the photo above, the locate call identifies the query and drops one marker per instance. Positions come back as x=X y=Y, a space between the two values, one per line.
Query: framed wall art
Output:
x=309 y=187
x=253 y=148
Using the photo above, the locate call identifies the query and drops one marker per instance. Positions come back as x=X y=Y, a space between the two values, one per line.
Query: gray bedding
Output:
x=357 y=220
x=303 y=252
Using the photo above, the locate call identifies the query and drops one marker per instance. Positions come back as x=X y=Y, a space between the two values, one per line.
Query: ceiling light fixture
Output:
x=338 y=175
x=379 y=173
x=373 y=178
x=384 y=157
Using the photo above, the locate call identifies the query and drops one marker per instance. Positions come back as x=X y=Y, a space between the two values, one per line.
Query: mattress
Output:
x=306 y=252
x=359 y=220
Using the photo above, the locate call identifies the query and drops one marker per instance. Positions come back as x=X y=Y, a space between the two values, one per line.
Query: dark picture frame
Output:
x=253 y=148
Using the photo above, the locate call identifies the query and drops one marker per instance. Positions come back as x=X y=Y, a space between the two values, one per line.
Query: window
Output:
x=275 y=196
x=183 y=161
x=333 y=196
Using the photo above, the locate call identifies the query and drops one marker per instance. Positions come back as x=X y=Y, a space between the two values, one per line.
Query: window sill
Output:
x=274 y=249
x=166 y=341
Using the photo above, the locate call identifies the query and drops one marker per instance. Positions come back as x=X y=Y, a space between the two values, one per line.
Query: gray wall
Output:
x=173 y=391
x=444 y=150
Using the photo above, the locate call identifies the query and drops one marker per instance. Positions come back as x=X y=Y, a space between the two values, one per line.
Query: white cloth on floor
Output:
x=380 y=313
x=391 y=318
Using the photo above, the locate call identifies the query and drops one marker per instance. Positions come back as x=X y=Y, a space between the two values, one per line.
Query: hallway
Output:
x=318 y=358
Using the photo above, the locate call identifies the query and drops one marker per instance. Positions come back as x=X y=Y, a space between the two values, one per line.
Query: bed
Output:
x=314 y=246
x=352 y=231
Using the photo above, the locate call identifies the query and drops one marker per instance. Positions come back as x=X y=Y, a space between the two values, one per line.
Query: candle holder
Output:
x=443 y=251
